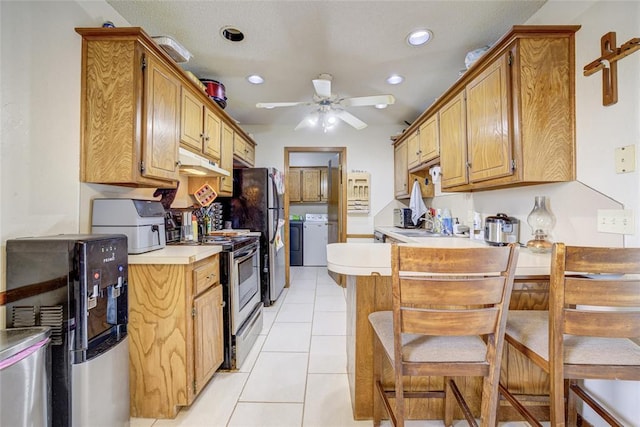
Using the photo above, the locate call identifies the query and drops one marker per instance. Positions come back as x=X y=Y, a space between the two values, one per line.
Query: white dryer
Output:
x=315 y=240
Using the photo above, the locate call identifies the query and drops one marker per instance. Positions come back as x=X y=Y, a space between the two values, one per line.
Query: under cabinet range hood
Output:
x=192 y=164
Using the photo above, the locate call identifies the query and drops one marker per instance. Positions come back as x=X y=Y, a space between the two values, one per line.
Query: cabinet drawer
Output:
x=206 y=274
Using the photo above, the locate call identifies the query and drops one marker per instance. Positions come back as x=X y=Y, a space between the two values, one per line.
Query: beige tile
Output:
x=327 y=402
x=277 y=377
x=330 y=303
x=301 y=296
x=329 y=323
x=328 y=354
x=293 y=312
x=329 y=290
x=214 y=406
x=247 y=366
x=277 y=303
x=304 y=273
x=288 y=337
x=250 y=414
x=267 y=321
x=302 y=284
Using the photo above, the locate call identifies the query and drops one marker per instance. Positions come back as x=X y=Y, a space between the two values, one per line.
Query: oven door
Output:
x=245 y=286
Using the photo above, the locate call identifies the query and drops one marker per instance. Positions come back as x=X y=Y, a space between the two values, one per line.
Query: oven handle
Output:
x=243 y=256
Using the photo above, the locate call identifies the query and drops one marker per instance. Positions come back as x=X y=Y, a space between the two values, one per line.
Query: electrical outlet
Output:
x=626 y=159
x=619 y=221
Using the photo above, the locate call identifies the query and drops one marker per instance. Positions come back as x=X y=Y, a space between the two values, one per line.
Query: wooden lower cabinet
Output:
x=175 y=332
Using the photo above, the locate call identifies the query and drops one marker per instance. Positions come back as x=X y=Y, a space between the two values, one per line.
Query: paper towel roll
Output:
x=435 y=173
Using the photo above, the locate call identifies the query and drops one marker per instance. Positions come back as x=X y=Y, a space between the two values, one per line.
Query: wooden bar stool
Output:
x=591 y=331
x=448 y=319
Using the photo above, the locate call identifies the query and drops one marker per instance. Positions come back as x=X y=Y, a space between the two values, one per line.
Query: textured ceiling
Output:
x=360 y=43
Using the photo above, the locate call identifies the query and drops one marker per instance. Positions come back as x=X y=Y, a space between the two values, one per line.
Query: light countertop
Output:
x=176 y=255
x=363 y=259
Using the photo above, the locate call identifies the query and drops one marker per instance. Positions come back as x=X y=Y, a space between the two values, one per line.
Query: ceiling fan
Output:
x=330 y=107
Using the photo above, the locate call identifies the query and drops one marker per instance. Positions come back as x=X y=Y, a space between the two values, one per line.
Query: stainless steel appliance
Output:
x=243 y=310
x=296 y=243
x=402 y=218
x=76 y=285
x=142 y=221
x=257 y=205
x=25 y=372
x=501 y=230
x=378 y=237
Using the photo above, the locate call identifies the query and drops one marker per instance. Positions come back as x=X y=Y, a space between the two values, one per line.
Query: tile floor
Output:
x=296 y=373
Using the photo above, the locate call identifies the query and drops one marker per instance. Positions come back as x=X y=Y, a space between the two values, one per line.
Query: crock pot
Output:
x=216 y=91
x=501 y=230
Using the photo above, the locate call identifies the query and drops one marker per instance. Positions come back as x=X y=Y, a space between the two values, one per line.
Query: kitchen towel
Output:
x=416 y=203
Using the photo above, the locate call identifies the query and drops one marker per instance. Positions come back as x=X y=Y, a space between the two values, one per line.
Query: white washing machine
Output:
x=315 y=240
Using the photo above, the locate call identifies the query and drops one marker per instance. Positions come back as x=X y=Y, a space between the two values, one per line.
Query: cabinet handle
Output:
x=468 y=164
x=178 y=163
x=202 y=135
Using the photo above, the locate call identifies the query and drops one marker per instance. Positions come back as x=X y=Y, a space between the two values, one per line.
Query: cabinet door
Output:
x=311 y=185
x=489 y=141
x=429 y=139
x=212 y=125
x=162 y=129
x=207 y=335
x=238 y=146
x=250 y=153
x=191 y=120
x=453 y=142
x=400 y=171
x=295 y=195
x=413 y=150
x=324 y=184
x=226 y=159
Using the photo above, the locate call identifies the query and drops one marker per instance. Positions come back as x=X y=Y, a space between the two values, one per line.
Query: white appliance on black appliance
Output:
x=77 y=286
x=142 y=221
x=257 y=204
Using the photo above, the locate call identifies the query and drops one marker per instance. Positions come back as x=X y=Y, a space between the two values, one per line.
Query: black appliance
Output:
x=296 y=243
x=77 y=285
x=257 y=204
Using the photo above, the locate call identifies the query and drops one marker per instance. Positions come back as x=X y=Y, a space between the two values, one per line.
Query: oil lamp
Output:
x=541 y=221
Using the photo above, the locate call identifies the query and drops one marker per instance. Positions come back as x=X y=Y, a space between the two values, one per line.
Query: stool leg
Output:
x=449 y=402
x=377 y=377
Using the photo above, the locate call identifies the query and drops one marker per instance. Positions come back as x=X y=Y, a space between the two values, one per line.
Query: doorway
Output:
x=335 y=160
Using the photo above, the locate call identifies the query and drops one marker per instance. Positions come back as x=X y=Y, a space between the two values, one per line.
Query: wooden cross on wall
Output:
x=608 y=63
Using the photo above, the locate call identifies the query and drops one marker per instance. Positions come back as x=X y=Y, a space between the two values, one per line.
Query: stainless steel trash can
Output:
x=25 y=366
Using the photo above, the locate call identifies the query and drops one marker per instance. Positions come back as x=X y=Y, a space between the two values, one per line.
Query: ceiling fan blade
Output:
x=308 y=121
x=362 y=101
x=323 y=87
x=270 y=105
x=351 y=119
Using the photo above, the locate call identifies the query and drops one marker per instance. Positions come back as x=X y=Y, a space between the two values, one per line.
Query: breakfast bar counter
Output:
x=367 y=267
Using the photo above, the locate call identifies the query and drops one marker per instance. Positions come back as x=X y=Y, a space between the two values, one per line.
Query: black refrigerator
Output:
x=257 y=204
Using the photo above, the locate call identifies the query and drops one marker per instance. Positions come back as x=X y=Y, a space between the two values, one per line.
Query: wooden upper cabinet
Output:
x=294 y=190
x=413 y=150
x=243 y=151
x=324 y=184
x=311 y=185
x=226 y=160
x=429 y=137
x=488 y=129
x=453 y=142
x=200 y=126
x=130 y=113
x=401 y=173
x=510 y=119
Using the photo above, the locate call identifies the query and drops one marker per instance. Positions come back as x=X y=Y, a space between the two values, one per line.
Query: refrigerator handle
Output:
x=265 y=263
x=274 y=189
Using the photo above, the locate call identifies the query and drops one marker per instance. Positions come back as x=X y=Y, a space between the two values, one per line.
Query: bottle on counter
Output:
x=194 y=226
x=477 y=227
x=447 y=222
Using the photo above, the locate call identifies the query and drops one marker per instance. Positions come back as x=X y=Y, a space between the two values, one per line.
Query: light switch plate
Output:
x=619 y=221
x=626 y=159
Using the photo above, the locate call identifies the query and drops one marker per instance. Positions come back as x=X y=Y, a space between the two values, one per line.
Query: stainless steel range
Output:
x=243 y=308
x=240 y=276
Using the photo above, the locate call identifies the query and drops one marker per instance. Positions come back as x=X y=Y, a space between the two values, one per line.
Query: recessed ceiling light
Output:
x=232 y=34
x=419 y=37
x=381 y=106
x=395 y=79
x=255 y=79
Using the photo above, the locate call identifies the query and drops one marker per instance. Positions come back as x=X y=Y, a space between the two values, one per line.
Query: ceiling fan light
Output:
x=331 y=120
x=419 y=37
x=255 y=79
x=381 y=106
x=395 y=79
